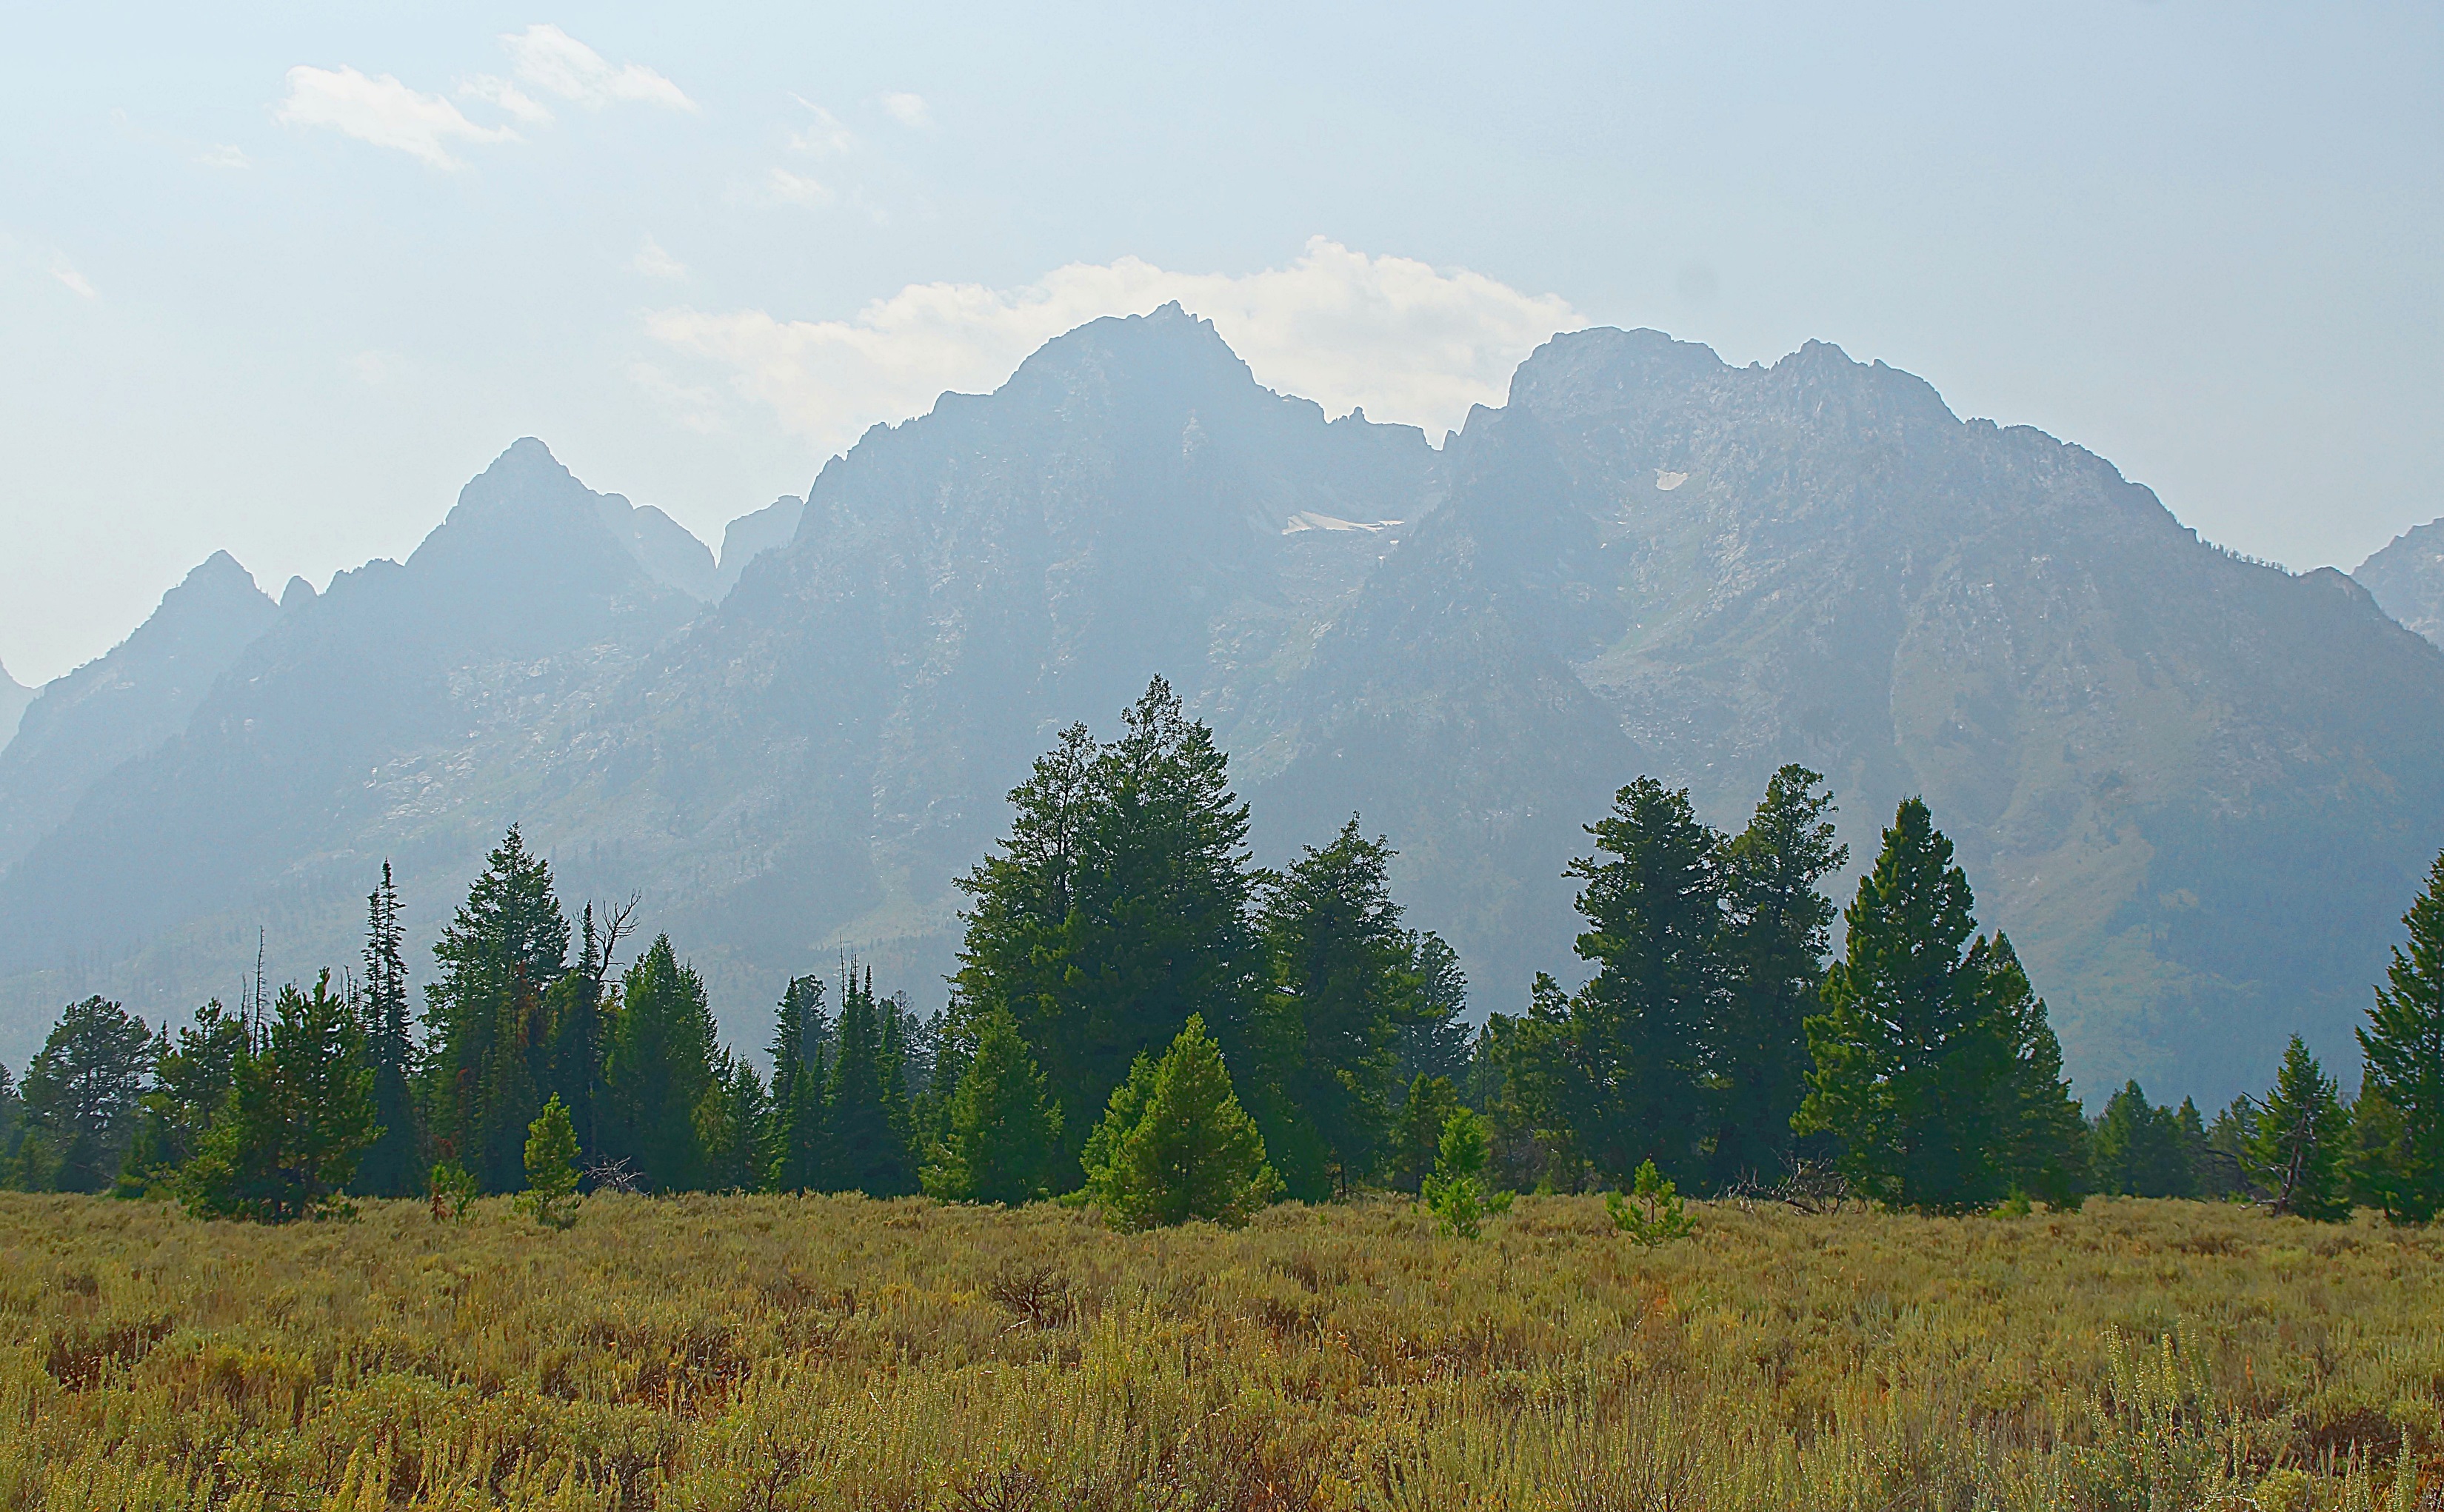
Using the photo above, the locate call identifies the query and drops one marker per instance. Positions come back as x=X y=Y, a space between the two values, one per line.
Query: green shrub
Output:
x=1455 y=1190
x=551 y=1167
x=1653 y=1214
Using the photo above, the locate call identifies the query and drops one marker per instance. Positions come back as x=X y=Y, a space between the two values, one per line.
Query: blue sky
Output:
x=279 y=279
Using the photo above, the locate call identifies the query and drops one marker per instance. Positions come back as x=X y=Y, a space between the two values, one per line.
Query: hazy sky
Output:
x=280 y=279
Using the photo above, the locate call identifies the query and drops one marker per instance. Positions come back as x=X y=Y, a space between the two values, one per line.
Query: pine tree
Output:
x=657 y=1070
x=551 y=1167
x=1429 y=1105
x=1935 y=1067
x=1004 y=1133
x=1622 y=1058
x=2376 y=1161
x=395 y=1165
x=869 y=1150
x=2138 y=1149
x=1176 y=1145
x=191 y=1079
x=487 y=1037
x=1119 y=905
x=1438 y=1041
x=2403 y=1043
x=2299 y=1138
x=299 y=1115
x=81 y=1096
x=581 y=1007
x=1341 y=992
x=800 y=1139
x=1776 y=933
x=12 y=1122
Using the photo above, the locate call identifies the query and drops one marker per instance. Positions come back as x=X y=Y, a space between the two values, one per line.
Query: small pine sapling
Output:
x=454 y=1191
x=1455 y=1191
x=1653 y=1214
x=551 y=1167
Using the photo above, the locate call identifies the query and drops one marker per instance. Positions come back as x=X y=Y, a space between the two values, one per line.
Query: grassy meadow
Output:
x=725 y=1352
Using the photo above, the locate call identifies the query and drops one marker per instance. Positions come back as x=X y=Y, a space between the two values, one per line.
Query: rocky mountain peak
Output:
x=2407 y=578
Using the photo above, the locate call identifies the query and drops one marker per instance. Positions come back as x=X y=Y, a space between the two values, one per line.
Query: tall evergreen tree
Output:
x=1004 y=1133
x=579 y=1007
x=2299 y=1140
x=1417 y=1138
x=1438 y=1041
x=395 y=1165
x=662 y=1063
x=82 y=1093
x=487 y=1037
x=12 y=1122
x=1119 y=905
x=869 y=1148
x=299 y=1113
x=1935 y=1067
x=1341 y=992
x=799 y=1142
x=2403 y=1045
x=1622 y=1060
x=1777 y=930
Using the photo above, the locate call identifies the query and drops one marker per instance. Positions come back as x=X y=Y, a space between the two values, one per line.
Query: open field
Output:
x=759 y=1352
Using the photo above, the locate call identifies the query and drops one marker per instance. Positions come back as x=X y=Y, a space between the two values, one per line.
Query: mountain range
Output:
x=2197 y=790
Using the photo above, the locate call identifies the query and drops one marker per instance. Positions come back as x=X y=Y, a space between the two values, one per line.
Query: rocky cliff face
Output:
x=2407 y=579
x=2196 y=791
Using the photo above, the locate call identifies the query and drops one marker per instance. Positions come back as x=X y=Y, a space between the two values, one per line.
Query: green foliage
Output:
x=1118 y=904
x=1935 y=1068
x=192 y=1078
x=488 y=1037
x=550 y=1197
x=2140 y=1150
x=1003 y=1134
x=395 y=1165
x=1436 y=1039
x=2404 y=1045
x=1174 y=1145
x=867 y=1106
x=81 y=1097
x=452 y=1188
x=1653 y=1214
x=2299 y=1138
x=799 y=1137
x=1455 y=1190
x=1341 y=993
x=658 y=1071
x=1418 y=1137
x=299 y=1113
x=1777 y=927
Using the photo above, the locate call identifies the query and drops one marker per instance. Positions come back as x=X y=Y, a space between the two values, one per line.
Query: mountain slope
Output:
x=751 y=535
x=14 y=696
x=2407 y=579
x=2197 y=791
x=346 y=731
x=126 y=702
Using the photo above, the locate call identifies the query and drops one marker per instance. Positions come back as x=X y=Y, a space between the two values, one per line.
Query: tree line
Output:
x=1143 y=1019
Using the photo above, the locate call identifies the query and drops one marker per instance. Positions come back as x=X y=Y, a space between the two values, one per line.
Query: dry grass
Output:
x=765 y=1352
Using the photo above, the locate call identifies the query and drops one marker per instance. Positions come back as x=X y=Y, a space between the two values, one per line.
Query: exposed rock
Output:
x=2407 y=579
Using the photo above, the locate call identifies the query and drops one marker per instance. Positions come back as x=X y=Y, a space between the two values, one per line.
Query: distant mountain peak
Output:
x=2407 y=579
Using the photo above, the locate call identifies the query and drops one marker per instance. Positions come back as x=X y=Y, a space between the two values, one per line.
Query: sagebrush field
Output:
x=835 y=1352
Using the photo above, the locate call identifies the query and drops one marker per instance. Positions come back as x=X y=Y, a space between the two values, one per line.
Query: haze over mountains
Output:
x=2196 y=790
x=2407 y=578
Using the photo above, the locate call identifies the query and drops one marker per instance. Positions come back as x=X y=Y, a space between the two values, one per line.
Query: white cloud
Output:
x=224 y=155
x=909 y=110
x=498 y=91
x=381 y=111
x=550 y=60
x=797 y=189
x=77 y=283
x=655 y=263
x=826 y=137
x=1410 y=342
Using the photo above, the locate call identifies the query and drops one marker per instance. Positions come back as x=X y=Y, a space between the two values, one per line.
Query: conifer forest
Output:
x=1633 y=1204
